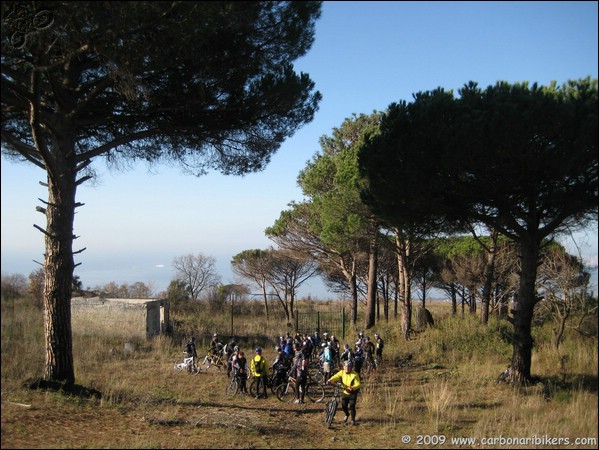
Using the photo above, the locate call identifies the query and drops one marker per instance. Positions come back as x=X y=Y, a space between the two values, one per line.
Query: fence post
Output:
x=318 y=321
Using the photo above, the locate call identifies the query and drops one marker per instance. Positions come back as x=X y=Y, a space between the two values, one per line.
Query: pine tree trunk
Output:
x=405 y=300
x=523 y=313
x=371 y=292
x=489 y=273
x=59 y=266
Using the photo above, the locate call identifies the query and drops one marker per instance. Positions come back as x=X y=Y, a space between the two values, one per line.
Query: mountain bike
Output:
x=278 y=376
x=186 y=364
x=234 y=385
x=252 y=389
x=332 y=404
x=286 y=392
x=211 y=360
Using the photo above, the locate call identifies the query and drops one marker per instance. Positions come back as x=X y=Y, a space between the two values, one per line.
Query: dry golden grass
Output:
x=447 y=393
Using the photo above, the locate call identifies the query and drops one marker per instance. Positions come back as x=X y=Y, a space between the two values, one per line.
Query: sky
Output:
x=366 y=55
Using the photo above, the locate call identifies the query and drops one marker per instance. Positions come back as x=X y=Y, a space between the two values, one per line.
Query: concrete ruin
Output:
x=124 y=317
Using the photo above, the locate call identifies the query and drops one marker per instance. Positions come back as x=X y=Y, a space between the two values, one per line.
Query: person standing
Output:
x=368 y=348
x=190 y=349
x=327 y=361
x=259 y=368
x=347 y=354
x=231 y=358
x=228 y=352
x=358 y=357
x=216 y=346
x=299 y=371
x=350 y=381
x=240 y=370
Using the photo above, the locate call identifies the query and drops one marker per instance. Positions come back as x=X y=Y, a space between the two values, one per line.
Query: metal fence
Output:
x=333 y=323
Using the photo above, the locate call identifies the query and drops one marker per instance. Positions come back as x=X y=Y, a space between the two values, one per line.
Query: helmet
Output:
x=236 y=348
x=258 y=350
x=192 y=338
x=348 y=363
x=215 y=334
x=360 y=334
x=325 y=334
x=376 y=335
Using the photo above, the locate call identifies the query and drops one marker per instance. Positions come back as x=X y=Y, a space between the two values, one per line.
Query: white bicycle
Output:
x=186 y=364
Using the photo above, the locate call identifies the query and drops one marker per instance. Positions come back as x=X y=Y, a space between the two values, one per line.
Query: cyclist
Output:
x=347 y=354
x=259 y=368
x=316 y=340
x=335 y=350
x=358 y=357
x=216 y=346
x=299 y=371
x=228 y=351
x=231 y=358
x=239 y=365
x=351 y=384
x=327 y=361
x=190 y=349
x=369 y=350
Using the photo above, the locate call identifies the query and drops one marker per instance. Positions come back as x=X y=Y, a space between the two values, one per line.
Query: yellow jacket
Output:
x=258 y=366
x=347 y=379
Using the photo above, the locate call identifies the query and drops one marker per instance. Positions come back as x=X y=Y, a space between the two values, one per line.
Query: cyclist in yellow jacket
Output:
x=351 y=384
x=259 y=368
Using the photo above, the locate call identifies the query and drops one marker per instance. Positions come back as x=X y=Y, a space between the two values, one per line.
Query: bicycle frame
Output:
x=188 y=364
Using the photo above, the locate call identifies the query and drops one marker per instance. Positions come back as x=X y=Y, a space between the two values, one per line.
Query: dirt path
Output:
x=51 y=420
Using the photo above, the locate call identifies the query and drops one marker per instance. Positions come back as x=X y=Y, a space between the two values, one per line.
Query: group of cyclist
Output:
x=294 y=357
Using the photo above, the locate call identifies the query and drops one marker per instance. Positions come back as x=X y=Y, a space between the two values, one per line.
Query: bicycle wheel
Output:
x=232 y=387
x=254 y=391
x=330 y=410
x=206 y=363
x=180 y=366
x=315 y=392
x=275 y=380
x=217 y=361
x=286 y=392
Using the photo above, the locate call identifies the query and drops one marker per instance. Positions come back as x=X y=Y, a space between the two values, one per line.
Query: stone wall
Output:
x=127 y=318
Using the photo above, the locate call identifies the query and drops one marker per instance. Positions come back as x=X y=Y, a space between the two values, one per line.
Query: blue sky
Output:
x=366 y=55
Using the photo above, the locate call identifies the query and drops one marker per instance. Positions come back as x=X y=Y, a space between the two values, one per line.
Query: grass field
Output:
x=447 y=395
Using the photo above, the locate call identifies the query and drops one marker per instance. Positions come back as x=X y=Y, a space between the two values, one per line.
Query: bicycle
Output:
x=253 y=392
x=286 y=392
x=186 y=364
x=278 y=376
x=234 y=385
x=332 y=404
x=212 y=361
x=315 y=372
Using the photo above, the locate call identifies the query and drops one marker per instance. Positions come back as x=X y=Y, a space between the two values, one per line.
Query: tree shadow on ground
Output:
x=57 y=386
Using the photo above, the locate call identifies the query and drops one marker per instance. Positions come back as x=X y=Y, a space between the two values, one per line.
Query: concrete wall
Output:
x=125 y=318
